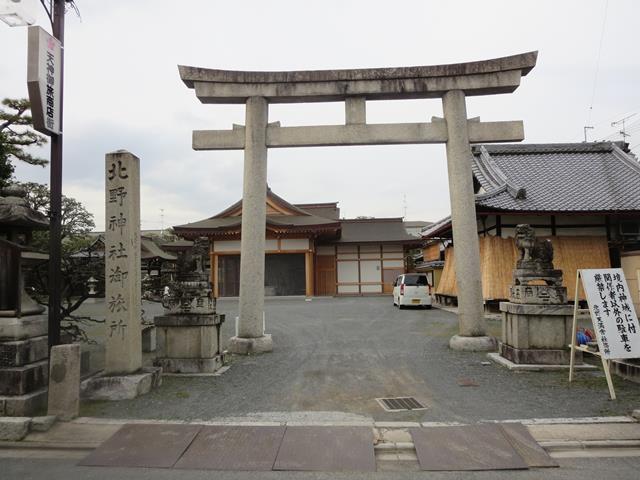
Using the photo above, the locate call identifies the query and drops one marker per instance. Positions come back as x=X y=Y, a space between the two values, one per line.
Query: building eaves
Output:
x=437 y=227
x=376 y=230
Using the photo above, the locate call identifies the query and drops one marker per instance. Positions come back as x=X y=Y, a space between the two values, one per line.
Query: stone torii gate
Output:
x=453 y=83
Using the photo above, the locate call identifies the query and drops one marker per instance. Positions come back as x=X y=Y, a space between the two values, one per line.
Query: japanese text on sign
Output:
x=614 y=317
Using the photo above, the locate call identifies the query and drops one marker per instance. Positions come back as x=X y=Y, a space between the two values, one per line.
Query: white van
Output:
x=412 y=289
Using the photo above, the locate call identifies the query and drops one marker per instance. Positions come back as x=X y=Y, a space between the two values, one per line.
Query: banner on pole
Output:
x=612 y=312
x=44 y=80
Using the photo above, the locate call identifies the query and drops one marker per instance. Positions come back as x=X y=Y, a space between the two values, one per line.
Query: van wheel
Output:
x=428 y=307
x=401 y=307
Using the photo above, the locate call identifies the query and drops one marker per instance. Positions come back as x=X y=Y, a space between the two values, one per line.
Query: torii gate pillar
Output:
x=472 y=325
x=250 y=336
x=451 y=83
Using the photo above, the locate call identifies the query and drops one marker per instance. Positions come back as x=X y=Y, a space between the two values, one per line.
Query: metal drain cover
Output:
x=400 y=404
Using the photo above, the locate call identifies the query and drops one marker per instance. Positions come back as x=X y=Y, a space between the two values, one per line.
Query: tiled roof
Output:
x=436 y=227
x=571 y=177
x=375 y=230
x=553 y=177
x=273 y=220
x=150 y=250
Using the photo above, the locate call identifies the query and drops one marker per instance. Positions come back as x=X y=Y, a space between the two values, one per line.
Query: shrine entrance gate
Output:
x=452 y=83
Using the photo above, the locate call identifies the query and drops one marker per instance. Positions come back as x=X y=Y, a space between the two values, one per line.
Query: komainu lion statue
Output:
x=536 y=258
x=533 y=250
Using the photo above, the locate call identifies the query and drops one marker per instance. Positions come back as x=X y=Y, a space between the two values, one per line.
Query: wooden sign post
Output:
x=613 y=316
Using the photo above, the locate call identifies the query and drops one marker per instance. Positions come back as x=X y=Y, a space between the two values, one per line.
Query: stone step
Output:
x=12 y=329
x=24 y=379
x=22 y=352
x=24 y=405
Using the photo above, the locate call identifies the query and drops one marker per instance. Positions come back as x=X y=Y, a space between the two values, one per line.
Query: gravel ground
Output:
x=339 y=354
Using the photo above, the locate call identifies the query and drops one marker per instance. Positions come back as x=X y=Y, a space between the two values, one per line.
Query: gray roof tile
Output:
x=575 y=177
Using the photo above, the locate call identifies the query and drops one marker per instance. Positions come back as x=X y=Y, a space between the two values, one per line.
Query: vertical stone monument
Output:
x=123 y=376
x=536 y=321
x=122 y=264
x=188 y=334
x=23 y=325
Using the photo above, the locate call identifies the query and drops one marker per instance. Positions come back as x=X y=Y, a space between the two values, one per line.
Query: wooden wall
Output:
x=498 y=257
x=431 y=252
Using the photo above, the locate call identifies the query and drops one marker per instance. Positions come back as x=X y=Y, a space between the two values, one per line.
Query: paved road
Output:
x=340 y=354
x=63 y=468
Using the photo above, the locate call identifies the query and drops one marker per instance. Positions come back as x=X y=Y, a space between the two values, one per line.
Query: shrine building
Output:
x=309 y=250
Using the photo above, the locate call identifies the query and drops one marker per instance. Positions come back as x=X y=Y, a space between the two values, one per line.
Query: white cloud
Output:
x=123 y=91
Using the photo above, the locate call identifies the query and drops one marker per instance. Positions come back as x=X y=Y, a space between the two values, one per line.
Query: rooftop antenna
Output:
x=585 y=128
x=404 y=206
x=622 y=122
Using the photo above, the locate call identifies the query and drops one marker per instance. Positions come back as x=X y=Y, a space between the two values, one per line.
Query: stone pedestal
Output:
x=121 y=387
x=536 y=334
x=64 y=383
x=251 y=346
x=23 y=365
x=188 y=343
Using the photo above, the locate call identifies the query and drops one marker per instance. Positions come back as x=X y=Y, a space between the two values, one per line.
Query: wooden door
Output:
x=389 y=276
x=325 y=275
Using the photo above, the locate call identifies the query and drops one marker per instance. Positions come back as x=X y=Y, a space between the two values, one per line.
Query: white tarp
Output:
x=614 y=318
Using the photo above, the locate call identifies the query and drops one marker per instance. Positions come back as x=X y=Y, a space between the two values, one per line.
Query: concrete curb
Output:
x=392 y=438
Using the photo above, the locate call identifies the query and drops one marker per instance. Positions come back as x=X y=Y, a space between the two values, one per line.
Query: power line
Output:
x=595 y=76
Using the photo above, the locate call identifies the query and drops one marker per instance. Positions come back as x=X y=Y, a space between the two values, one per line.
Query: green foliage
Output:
x=17 y=136
x=6 y=168
x=76 y=221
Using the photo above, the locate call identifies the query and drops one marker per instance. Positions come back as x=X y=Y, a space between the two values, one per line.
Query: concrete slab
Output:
x=229 y=447
x=73 y=434
x=471 y=447
x=617 y=431
x=532 y=453
x=524 y=367
x=327 y=449
x=150 y=446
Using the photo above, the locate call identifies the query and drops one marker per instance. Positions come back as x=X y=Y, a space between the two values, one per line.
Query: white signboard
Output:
x=44 y=80
x=614 y=318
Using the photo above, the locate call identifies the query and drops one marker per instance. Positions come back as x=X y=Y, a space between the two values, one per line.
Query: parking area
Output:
x=334 y=356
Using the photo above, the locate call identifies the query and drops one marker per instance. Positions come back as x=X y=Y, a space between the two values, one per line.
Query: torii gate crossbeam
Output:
x=452 y=83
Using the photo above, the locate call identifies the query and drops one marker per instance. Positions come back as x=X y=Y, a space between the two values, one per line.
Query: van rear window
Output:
x=415 y=280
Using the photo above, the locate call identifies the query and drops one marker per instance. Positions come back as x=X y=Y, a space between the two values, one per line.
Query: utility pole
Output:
x=55 y=226
x=585 y=128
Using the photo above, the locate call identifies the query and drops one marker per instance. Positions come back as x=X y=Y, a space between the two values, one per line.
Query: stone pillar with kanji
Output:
x=122 y=264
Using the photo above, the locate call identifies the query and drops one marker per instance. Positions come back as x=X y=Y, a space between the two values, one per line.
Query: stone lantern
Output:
x=23 y=324
x=537 y=319
x=188 y=334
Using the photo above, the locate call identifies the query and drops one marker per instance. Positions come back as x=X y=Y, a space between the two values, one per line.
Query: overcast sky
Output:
x=122 y=90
